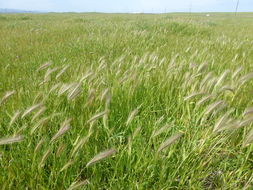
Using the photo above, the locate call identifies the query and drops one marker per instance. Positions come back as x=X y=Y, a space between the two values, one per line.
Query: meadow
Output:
x=126 y=101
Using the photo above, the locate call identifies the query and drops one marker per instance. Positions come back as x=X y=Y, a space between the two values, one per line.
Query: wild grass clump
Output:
x=109 y=101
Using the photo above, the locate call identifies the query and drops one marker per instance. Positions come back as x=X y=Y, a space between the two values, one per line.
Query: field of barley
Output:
x=126 y=101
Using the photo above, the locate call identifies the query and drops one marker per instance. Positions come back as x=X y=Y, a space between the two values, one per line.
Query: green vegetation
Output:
x=121 y=101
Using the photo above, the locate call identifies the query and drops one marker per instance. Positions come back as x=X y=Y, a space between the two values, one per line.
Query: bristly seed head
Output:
x=7 y=96
x=44 y=66
x=31 y=109
x=101 y=156
x=97 y=116
x=10 y=140
x=170 y=141
x=131 y=116
x=77 y=184
x=65 y=126
x=14 y=118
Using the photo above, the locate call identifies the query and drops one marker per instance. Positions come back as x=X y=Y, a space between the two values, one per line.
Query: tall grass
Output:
x=114 y=101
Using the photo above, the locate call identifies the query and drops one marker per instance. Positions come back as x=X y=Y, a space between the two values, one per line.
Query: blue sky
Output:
x=129 y=5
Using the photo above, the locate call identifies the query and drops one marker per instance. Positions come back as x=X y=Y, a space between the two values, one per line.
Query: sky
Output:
x=158 y=6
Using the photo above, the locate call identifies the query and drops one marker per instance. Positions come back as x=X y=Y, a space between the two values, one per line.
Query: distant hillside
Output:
x=17 y=11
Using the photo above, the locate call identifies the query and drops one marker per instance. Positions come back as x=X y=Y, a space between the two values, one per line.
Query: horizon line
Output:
x=13 y=10
x=20 y=11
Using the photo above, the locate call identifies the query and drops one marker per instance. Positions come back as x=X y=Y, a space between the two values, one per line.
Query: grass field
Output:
x=126 y=101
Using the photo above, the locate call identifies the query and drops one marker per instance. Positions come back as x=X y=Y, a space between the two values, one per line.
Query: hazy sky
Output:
x=128 y=5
